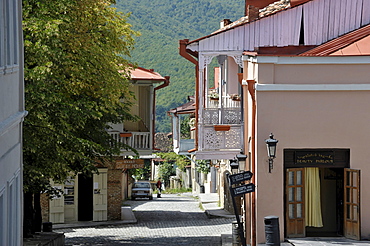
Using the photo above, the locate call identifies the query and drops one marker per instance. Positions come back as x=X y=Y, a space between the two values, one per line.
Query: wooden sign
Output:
x=240 y=177
x=314 y=157
x=129 y=163
x=242 y=189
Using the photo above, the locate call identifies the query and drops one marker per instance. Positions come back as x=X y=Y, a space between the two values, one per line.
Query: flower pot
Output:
x=221 y=127
x=125 y=134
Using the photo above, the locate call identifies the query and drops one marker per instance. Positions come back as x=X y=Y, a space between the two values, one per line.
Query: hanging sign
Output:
x=242 y=189
x=129 y=163
x=240 y=177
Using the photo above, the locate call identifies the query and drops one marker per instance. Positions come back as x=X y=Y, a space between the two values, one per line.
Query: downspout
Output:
x=165 y=84
x=185 y=53
x=252 y=92
x=245 y=109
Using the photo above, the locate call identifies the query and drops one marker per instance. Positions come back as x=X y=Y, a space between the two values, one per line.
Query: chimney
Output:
x=252 y=13
x=225 y=22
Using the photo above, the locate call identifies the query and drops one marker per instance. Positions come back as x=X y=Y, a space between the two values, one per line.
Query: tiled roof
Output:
x=140 y=73
x=354 y=43
x=186 y=108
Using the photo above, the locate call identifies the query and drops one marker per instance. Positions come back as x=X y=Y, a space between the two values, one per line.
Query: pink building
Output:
x=300 y=69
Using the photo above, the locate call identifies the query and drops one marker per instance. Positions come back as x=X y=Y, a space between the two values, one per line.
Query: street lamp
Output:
x=271 y=150
x=241 y=160
x=234 y=165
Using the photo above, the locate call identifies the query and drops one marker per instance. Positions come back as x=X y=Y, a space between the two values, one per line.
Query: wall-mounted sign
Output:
x=240 y=177
x=314 y=157
x=129 y=163
x=338 y=158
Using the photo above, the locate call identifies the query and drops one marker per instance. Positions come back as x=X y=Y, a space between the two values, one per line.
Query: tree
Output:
x=73 y=51
x=167 y=168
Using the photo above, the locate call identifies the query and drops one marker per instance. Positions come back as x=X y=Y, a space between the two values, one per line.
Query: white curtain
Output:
x=313 y=197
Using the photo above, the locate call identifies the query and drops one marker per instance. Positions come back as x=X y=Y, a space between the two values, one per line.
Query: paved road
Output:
x=170 y=220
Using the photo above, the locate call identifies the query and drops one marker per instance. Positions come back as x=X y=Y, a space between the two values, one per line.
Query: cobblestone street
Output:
x=170 y=220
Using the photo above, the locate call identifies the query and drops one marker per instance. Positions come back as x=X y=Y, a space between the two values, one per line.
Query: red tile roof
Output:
x=186 y=108
x=140 y=73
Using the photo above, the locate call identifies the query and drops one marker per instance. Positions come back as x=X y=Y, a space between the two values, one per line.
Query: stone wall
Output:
x=44 y=200
x=114 y=193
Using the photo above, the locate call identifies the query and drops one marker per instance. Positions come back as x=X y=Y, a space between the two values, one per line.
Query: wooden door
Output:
x=100 y=195
x=295 y=209
x=70 y=199
x=56 y=211
x=352 y=204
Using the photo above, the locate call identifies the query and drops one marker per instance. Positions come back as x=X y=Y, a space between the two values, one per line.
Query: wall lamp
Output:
x=238 y=163
x=234 y=165
x=271 y=150
x=241 y=160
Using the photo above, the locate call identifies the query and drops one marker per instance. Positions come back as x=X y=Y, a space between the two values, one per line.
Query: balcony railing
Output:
x=136 y=140
x=184 y=146
x=221 y=140
x=228 y=116
x=227 y=102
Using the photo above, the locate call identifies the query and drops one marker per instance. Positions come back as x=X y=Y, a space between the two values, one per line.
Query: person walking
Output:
x=159 y=187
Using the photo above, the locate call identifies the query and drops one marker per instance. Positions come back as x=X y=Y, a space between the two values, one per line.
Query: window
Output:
x=9 y=36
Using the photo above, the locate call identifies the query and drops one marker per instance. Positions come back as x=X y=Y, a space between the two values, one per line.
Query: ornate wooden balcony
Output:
x=220 y=129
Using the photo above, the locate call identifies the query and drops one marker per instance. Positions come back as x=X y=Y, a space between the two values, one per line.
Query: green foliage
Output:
x=176 y=191
x=141 y=173
x=185 y=127
x=180 y=160
x=72 y=86
x=162 y=23
x=203 y=166
x=166 y=170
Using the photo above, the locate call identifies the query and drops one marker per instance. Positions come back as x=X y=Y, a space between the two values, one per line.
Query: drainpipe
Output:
x=252 y=92
x=190 y=57
x=248 y=89
x=166 y=82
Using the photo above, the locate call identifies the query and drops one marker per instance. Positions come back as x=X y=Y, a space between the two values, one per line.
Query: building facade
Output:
x=99 y=197
x=299 y=69
x=11 y=117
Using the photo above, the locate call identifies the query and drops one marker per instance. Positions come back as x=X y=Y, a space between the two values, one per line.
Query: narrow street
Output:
x=169 y=220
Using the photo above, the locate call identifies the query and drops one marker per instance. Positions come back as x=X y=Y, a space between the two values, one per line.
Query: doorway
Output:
x=331 y=210
x=332 y=190
x=85 y=197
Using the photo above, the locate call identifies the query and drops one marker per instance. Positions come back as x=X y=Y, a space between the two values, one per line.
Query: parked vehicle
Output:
x=142 y=189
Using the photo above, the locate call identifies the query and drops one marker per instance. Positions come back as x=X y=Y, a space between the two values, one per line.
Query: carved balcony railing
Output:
x=228 y=116
x=221 y=140
x=136 y=140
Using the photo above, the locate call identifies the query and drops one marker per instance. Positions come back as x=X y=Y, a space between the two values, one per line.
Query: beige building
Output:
x=300 y=69
x=99 y=197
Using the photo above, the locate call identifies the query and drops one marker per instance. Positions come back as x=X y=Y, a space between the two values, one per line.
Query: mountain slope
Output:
x=162 y=23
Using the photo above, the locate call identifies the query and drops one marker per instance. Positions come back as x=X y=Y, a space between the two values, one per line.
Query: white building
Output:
x=11 y=116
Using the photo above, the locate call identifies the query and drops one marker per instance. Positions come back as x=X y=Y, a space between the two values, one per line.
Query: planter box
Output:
x=221 y=127
x=125 y=134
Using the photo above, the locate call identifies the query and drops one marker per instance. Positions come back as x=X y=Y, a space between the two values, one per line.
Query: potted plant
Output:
x=235 y=97
x=214 y=96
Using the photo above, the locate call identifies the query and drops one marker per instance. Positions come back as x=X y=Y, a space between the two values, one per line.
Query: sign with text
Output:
x=314 y=157
x=129 y=163
x=240 y=177
x=242 y=189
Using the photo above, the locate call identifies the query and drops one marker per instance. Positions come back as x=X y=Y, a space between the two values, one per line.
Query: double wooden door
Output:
x=295 y=223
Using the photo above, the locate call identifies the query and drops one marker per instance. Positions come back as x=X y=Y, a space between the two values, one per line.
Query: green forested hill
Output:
x=162 y=23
